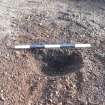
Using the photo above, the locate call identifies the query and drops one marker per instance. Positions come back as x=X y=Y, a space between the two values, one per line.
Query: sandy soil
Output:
x=52 y=77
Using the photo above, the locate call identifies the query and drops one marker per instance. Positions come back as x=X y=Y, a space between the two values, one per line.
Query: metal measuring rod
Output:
x=46 y=46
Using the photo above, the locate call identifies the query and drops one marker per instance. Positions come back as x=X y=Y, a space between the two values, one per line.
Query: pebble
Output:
x=2 y=97
x=18 y=53
x=57 y=92
x=60 y=103
x=59 y=86
x=29 y=102
x=8 y=43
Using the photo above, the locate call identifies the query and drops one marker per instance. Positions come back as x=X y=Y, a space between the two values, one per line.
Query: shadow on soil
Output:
x=58 y=62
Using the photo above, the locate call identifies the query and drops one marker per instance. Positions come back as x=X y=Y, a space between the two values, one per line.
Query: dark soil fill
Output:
x=59 y=62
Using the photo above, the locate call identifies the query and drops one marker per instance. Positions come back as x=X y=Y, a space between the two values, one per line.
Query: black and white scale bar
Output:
x=46 y=46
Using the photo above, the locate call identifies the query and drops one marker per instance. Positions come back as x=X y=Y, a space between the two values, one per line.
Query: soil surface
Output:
x=52 y=76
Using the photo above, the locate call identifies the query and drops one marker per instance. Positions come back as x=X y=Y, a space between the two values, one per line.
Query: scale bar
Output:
x=47 y=46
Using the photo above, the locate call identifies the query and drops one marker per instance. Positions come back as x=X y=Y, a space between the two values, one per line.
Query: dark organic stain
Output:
x=59 y=62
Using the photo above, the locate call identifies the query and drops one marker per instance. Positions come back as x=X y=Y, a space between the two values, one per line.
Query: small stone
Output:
x=60 y=103
x=1 y=91
x=50 y=100
x=7 y=55
x=59 y=86
x=41 y=24
x=8 y=43
x=2 y=97
x=18 y=53
x=57 y=92
x=29 y=102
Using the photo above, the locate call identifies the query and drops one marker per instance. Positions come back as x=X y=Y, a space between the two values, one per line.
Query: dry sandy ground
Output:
x=52 y=77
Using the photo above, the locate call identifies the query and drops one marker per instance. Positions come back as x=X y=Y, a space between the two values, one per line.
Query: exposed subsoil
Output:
x=52 y=76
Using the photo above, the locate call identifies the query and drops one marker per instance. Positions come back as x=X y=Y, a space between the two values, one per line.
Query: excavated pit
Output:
x=58 y=62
